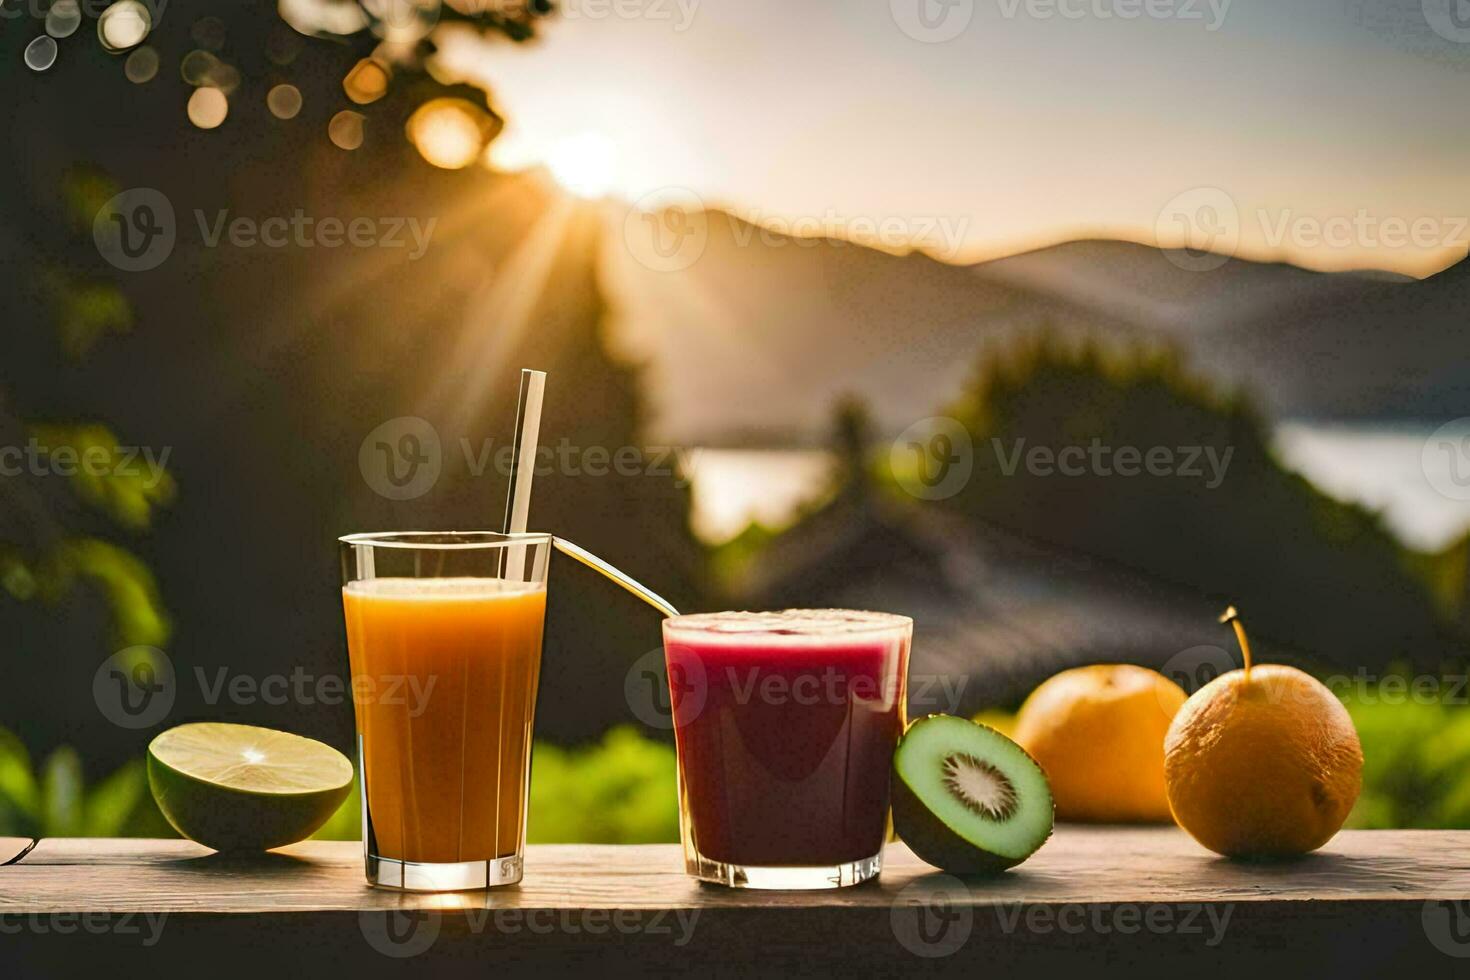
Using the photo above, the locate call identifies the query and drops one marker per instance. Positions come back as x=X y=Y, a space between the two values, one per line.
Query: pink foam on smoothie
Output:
x=814 y=623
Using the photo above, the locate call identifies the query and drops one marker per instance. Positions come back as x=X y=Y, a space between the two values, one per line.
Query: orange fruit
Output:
x=1098 y=732
x=1262 y=762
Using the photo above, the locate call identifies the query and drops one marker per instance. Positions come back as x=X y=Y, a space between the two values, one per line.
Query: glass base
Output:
x=414 y=876
x=785 y=878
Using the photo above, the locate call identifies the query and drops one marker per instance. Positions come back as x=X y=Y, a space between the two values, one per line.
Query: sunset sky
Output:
x=1335 y=134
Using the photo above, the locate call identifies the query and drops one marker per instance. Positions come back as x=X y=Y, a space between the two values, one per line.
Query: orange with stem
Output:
x=1263 y=761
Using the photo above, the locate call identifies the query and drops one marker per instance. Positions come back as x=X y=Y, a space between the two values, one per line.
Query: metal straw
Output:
x=622 y=578
x=518 y=498
x=523 y=467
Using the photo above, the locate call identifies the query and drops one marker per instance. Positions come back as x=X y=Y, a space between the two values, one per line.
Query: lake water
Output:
x=1385 y=468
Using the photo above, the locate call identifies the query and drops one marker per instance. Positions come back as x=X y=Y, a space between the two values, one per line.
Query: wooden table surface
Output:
x=1109 y=900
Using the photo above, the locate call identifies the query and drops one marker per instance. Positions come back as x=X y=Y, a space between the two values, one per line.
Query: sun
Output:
x=585 y=164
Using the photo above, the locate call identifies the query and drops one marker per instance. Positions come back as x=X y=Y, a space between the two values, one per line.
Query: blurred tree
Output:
x=264 y=369
x=1221 y=516
x=69 y=490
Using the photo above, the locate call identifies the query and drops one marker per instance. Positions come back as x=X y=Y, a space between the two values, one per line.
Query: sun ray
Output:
x=496 y=320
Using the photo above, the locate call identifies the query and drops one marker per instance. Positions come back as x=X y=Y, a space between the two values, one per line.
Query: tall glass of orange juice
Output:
x=444 y=638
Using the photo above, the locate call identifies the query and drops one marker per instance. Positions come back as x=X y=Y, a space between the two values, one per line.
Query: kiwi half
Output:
x=966 y=799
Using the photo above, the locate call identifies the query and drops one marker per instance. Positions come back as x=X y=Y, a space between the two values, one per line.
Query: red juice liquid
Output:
x=786 y=725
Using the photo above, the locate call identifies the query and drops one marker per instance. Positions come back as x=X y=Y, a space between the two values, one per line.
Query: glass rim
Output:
x=445 y=540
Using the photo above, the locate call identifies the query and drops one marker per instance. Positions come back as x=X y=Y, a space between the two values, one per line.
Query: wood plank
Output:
x=12 y=849
x=1079 y=865
x=1104 y=902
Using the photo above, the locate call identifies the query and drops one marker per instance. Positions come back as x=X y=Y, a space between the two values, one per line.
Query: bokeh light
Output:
x=208 y=107
x=208 y=33
x=366 y=82
x=63 y=19
x=197 y=67
x=323 y=18
x=141 y=65
x=202 y=68
x=124 y=25
x=402 y=21
x=224 y=77
x=284 y=101
x=345 y=129
x=451 y=133
x=41 y=53
x=282 y=47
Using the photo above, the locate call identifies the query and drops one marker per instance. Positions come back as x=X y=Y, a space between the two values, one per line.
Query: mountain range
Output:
x=748 y=335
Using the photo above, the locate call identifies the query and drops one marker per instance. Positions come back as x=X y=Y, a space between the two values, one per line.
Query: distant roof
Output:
x=994 y=613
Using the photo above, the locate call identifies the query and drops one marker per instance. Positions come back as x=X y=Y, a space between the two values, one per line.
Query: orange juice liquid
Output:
x=444 y=675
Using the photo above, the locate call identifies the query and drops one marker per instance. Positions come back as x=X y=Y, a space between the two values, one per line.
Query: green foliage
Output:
x=1416 y=760
x=129 y=489
x=54 y=800
x=126 y=484
x=47 y=550
x=346 y=823
x=1259 y=536
x=138 y=616
x=84 y=190
x=86 y=312
x=622 y=790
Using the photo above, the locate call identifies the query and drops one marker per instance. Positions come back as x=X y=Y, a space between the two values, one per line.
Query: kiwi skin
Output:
x=935 y=843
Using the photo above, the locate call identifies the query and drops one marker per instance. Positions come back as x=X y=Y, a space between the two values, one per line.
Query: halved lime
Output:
x=243 y=788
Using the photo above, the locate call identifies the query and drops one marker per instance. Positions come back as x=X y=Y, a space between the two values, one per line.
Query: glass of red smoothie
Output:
x=786 y=724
